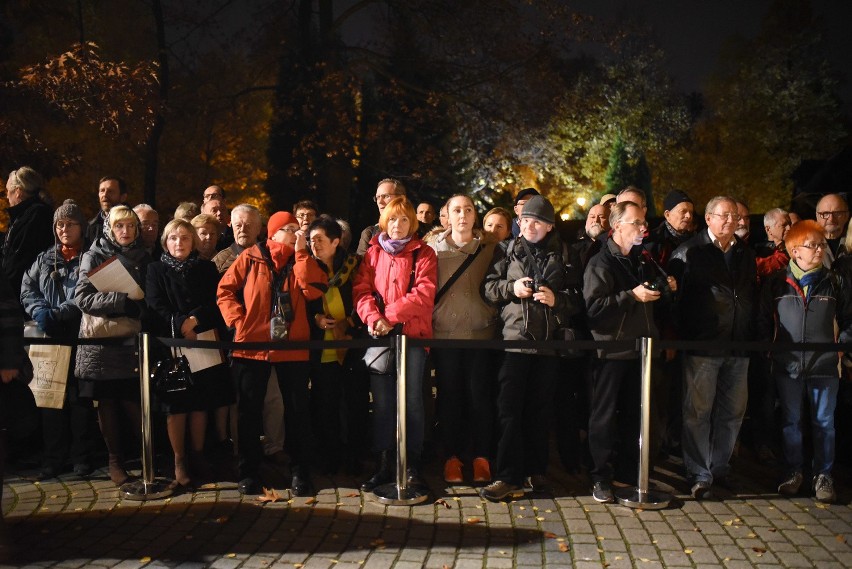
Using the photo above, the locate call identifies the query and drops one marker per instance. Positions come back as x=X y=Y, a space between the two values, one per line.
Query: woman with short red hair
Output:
x=806 y=303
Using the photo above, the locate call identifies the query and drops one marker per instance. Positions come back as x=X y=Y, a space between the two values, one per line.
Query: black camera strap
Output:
x=538 y=276
x=280 y=298
x=455 y=276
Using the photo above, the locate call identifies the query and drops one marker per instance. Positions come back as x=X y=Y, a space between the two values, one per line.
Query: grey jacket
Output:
x=462 y=312
x=40 y=292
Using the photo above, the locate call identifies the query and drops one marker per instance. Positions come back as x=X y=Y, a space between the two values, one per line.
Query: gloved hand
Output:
x=48 y=321
x=132 y=308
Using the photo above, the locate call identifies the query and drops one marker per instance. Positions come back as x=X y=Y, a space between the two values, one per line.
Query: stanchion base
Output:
x=140 y=490
x=650 y=500
x=392 y=495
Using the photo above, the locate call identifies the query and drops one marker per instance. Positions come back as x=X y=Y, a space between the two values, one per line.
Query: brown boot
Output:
x=117 y=473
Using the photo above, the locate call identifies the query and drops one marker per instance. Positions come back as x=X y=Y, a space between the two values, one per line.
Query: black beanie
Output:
x=526 y=193
x=539 y=208
x=673 y=198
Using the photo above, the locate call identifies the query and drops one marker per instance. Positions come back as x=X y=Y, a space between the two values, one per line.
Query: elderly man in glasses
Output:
x=388 y=189
x=717 y=274
x=30 y=224
x=622 y=286
x=832 y=213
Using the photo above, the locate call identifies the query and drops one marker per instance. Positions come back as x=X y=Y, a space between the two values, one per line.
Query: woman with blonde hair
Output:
x=395 y=291
x=110 y=374
x=181 y=292
x=207 y=228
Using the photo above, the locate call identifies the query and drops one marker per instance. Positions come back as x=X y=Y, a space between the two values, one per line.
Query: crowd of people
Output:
x=301 y=276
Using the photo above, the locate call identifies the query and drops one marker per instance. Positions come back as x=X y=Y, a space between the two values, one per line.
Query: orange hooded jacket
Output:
x=249 y=312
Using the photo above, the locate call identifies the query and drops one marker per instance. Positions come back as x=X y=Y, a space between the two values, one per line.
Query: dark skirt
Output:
x=212 y=388
x=109 y=389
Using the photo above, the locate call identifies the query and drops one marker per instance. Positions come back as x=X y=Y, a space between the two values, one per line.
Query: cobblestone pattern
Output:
x=72 y=523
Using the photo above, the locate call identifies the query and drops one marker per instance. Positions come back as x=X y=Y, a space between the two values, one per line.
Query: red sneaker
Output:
x=453 y=471
x=481 y=470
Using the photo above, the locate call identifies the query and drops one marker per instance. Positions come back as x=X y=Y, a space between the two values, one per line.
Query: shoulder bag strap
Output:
x=531 y=257
x=455 y=276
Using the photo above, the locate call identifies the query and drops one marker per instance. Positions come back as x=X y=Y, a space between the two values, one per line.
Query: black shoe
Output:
x=384 y=475
x=46 y=473
x=248 y=486
x=729 y=483
x=301 y=486
x=602 y=492
x=82 y=469
x=413 y=478
x=537 y=483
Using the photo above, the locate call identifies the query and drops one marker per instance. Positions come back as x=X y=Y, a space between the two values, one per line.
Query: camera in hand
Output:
x=659 y=284
x=535 y=285
x=279 y=328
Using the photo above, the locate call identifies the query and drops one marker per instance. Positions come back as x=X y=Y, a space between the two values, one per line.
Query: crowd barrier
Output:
x=399 y=493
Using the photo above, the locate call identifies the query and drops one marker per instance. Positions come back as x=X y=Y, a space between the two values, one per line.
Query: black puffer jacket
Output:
x=716 y=303
x=613 y=313
x=527 y=319
x=786 y=315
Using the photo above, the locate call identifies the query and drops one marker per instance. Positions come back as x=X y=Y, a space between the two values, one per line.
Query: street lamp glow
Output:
x=565 y=216
x=581 y=202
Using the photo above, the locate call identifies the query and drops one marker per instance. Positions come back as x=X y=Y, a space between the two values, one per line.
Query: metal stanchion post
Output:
x=149 y=487
x=400 y=494
x=641 y=496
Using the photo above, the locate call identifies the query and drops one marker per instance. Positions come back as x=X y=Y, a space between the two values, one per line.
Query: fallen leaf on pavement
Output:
x=145 y=560
x=758 y=550
x=444 y=503
x=564 y=548
x=841 y=538
x=269 y=495
x=549 y=535
x=352 y=495
x=687 y=551
x=474 y=520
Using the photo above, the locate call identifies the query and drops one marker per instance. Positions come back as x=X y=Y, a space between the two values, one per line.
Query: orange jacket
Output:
x=249 y=312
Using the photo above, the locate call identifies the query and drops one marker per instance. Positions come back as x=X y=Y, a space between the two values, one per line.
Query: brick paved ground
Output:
x=82 y=523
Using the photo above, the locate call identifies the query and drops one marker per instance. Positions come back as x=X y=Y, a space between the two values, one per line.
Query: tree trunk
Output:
x=152 y=144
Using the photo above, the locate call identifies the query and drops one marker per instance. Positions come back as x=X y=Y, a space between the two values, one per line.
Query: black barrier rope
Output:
x=552 y=345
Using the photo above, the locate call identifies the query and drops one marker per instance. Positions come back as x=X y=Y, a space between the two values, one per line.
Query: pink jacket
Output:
x=389 y=275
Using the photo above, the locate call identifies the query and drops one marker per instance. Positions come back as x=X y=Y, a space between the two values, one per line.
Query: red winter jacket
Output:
x=250 y=311
x=389 y=275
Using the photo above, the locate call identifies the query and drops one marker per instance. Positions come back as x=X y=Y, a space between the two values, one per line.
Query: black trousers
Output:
x=525 y=393
x=466 y=397
x=614 y=420
x=68 y=433
x=251 y=377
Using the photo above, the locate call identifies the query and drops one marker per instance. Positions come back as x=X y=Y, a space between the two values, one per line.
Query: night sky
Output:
x=692 y=31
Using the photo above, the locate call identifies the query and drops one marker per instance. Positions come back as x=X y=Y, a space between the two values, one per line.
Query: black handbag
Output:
x=171 y=376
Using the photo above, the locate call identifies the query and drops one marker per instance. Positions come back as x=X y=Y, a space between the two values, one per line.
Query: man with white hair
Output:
x=589 y=243
x=246 y=225
x=772 y=254
x=30 y=224
x=716 y=272
x=150 y=221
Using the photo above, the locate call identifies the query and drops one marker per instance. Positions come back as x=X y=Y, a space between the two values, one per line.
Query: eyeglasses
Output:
x=289 y=229
x=728 y=216
x=815 y=246
x=305 y=216
x=383 y=197
x=637 y=223
x=827 y=214
x=62 y=225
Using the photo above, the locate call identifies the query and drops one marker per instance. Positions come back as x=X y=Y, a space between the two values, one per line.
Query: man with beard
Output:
x=832 y=213
x=112 y=191
x=744 y=224
x=597 y=224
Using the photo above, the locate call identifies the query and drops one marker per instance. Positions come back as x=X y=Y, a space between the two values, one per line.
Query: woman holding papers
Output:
x=113 y=306
x=181 y=292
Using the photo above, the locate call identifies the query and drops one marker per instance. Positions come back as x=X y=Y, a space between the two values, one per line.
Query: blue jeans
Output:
x=821 y=393
x=383 y=388
x=715 y=392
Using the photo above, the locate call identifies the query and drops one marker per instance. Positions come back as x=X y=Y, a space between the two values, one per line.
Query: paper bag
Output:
x=50 y=370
